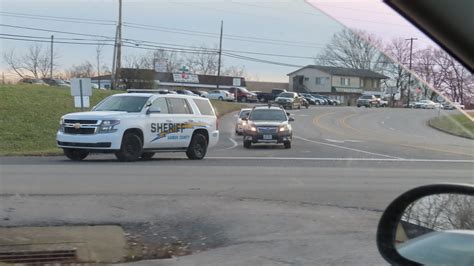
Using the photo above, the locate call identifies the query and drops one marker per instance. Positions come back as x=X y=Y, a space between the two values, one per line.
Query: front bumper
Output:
x=258 y=137
x=108 y=141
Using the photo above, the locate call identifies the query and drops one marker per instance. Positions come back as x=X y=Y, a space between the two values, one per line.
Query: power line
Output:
x=57 y=17
x=59 y=20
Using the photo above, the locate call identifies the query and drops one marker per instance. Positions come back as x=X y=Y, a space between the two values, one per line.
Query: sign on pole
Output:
x=81 y=89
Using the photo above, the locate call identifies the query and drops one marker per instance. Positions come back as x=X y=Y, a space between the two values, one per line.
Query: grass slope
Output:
x=459 y=125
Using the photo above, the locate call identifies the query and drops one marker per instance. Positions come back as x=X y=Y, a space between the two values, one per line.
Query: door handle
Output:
x=169 y=120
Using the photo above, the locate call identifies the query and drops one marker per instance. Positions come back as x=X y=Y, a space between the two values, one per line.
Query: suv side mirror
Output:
x=152 y=110
x=291 y=119
x=245 y=118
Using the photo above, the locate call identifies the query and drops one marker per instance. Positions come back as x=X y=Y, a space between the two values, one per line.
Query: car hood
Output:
x=268 y=123
x=94 y=115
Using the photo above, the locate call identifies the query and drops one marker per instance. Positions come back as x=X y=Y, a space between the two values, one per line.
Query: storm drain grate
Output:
x=39 y=257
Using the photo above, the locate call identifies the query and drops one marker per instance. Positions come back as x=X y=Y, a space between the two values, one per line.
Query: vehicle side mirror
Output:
x=152 y=110
x=245 y=118
x=429 y=225
x=288 y=114
x=291 y=119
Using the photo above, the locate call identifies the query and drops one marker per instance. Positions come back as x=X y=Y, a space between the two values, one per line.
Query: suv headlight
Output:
x=284 y=128
x=107 y=126
x=61 y=124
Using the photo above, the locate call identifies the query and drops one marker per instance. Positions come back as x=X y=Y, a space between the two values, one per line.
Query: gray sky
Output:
x=299 y=28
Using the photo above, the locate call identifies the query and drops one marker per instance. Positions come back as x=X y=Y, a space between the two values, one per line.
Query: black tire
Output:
x=299 y=106
x=220 y=98
x=358 y=106
x=243 y=99
x=307 y=106
x=247 y=144
x=76 y=154
x=287 y=144
x=131 y=149
x=147 y=156
x=198 y=147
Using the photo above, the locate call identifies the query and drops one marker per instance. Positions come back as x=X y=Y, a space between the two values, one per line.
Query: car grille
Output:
x=82 y=122
x=83 y=131
x=267 y=129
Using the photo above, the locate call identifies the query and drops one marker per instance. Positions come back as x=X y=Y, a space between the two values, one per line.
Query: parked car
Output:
x=268 y=124
x=264 y=97
x=289 y=100
x=243 y=95
x=56 y=82
x=327 y=100
x=200 y=93
x=240 y=124
x=220 y=95
x=312 y=99
x=424 y=104
x=185 y=92
x=452 y=106
x=383 y=102
x=367 y=101
x=33 y=81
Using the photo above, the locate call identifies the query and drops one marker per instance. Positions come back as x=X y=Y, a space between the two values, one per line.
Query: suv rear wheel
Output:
x=76 y=154
x=197 y=148
x=243 y=99
x=287 y=144
x=131 y=148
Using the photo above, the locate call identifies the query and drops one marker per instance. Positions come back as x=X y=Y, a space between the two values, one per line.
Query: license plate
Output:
x=267 y=137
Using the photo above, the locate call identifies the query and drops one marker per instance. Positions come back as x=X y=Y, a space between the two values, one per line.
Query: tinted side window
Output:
x=204 y=107
x=178 y=106
x=162 y=104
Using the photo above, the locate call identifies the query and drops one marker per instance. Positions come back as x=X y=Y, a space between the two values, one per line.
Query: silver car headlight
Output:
x=108 y=126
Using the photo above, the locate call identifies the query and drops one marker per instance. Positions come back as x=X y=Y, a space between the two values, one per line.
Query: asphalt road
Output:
x=317 y=203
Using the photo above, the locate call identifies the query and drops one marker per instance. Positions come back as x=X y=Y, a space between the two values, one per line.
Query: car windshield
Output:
x=267 y=115
x=101 y=178
x=244 y=113
x=286 y=95
x=132 y=104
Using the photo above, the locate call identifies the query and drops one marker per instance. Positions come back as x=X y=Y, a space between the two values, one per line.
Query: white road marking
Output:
x=382 y=122
x=333 y=140
x=346 y=148
x=353 y=140
x=341 y=159
x=391 y=128
x=234 y=144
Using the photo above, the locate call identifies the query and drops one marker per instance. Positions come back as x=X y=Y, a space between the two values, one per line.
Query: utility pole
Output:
x=3 y=78
x=51 y=62
x=112 y=76
x=220 y=54
x=119 y=45
x=98 y=50
x=409 y=67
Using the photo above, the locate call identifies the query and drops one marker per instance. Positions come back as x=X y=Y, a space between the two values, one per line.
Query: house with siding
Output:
x=344 y=84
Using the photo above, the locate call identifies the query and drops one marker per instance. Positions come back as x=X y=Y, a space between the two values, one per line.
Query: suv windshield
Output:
x=131 y=104
x=267 y=115
x=366 y=97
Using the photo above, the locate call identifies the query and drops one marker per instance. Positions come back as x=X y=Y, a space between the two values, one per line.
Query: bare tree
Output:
x=350 y=49
x=82 y=70
x=205 y=62
x=35 y=62
x=399 y=51
x=235 y=71
x=172 y=60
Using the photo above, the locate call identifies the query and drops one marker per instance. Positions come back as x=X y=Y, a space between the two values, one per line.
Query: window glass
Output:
x=204 y=107
x=122 y=103
x=178 y=106
x=162 y=104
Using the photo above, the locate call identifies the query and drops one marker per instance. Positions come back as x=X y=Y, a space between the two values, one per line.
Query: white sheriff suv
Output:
x=136 y=125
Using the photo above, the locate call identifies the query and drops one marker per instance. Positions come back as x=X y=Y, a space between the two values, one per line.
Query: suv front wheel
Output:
x=131 y=148
x=287 y=144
